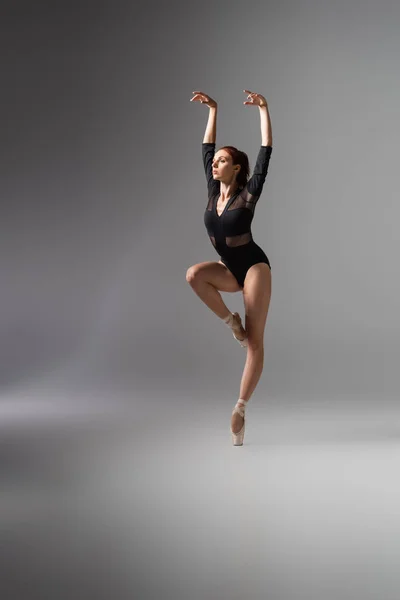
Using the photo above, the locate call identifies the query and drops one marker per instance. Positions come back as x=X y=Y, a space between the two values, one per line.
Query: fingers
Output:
x=251 y=96
x=254 y=99
x=204 y=99
x=199 y=96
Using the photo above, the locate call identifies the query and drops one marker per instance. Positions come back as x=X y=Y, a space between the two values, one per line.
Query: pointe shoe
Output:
x=237 y=438
x=243 y=342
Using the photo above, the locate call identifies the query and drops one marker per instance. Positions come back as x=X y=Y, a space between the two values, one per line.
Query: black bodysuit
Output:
x=230 y=233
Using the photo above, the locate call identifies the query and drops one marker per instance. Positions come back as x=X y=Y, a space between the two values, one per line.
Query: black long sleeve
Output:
x=208 y=151
x=256 y=181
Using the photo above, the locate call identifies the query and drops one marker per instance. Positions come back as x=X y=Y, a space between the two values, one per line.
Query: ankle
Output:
x=242 y=401
x=240 y=406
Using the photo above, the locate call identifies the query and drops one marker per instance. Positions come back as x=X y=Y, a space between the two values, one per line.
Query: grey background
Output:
x=117 y=381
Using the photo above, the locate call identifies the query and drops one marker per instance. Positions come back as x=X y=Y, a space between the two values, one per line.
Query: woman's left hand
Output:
x=255 y=99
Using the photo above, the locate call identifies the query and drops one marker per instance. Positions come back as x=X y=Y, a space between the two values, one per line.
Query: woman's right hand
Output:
x=204 y=99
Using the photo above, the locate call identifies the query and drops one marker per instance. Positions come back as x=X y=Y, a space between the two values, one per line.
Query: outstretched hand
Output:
x=255 y=99
x=204 y=99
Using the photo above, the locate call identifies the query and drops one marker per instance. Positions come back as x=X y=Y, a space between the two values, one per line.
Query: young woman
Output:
x=232 y=198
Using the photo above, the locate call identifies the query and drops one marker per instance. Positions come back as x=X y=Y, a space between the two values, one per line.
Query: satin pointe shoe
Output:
x=237 y=438
x=236 y=328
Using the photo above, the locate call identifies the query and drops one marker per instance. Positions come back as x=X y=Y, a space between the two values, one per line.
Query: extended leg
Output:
x=256 y=295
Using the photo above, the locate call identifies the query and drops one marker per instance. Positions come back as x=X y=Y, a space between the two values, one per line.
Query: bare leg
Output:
x=210 y=296
x=252 y=371
x=250 y=378
x=206 y=279
x=256 y=294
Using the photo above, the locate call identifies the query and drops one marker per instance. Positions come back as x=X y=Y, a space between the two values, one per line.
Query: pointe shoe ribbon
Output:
x=240 y=407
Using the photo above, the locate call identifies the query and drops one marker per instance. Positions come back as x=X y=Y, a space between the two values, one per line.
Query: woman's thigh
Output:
x=215 y=273
x=257 y=296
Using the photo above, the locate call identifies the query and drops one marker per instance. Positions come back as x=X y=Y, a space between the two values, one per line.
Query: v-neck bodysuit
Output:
x=230 y=232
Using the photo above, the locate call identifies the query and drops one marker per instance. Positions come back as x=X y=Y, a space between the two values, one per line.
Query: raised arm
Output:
x=210 y=134
x=254 y=99
x=255 y=184
x=266 y=129
x=208 y=146
x=211 y=129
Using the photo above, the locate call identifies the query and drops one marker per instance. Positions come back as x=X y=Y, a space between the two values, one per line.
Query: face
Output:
x=223 y=168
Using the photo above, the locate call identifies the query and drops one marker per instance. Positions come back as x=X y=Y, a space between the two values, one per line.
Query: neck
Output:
x=227 y=189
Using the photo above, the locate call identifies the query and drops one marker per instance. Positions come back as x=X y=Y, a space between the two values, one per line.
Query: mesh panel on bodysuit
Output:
x=238 y=240
x=212 y=238
x=244 y=200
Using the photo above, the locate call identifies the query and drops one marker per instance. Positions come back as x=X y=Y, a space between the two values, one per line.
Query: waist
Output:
x=251 y=245
x=251 y=248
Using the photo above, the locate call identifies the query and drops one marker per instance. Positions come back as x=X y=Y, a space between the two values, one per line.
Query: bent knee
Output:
x=192 y=274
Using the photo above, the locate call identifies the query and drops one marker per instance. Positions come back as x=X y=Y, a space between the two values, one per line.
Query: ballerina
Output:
x=244 y=266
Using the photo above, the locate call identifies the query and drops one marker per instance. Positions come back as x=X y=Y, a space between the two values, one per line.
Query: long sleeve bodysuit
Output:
x=230 y=233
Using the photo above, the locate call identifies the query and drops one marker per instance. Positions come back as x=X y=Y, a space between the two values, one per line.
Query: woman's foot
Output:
x=238 y=330
x=238 y=422
x=234 y=321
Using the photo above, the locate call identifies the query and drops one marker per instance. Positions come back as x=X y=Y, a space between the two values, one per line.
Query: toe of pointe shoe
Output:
x=243 y=343
x=237 y=438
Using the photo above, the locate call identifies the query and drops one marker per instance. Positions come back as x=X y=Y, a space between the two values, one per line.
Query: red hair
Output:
x=239 y=158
